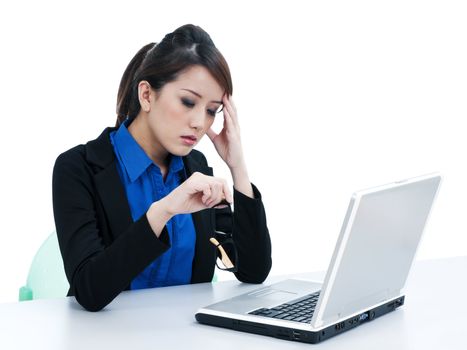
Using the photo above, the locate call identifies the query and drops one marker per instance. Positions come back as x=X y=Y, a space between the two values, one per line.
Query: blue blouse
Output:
x=144 y=184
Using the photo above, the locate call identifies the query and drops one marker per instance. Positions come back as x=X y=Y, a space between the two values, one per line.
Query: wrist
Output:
x=241 y=181
x=239 y=171
x=158 y=214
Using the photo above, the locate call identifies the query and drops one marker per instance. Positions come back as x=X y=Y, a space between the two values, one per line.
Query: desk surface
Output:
x=163 y=318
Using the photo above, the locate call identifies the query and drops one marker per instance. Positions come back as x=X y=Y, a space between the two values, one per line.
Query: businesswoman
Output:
x=137 y=207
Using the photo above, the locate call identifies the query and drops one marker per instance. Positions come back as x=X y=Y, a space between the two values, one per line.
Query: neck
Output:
x=142 y=134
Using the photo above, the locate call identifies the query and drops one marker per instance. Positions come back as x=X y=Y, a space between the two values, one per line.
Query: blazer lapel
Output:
x=108 y=183
x=114 y=199
x=100 y=153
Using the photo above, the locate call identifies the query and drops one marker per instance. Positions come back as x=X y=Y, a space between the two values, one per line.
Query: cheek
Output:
x=169 y=116
x=170 y=111
x=208 y=123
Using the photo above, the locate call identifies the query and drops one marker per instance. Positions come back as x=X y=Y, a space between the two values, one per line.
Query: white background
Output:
x=332 y=97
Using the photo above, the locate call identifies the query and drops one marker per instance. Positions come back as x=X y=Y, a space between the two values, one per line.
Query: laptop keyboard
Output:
x=299 y=310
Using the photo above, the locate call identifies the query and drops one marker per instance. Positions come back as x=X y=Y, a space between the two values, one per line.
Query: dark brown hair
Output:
x=161 y=63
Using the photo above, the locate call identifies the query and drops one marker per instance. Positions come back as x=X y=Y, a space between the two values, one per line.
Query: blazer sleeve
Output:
x=96 y=270
x=250 y=235
x=249 y=232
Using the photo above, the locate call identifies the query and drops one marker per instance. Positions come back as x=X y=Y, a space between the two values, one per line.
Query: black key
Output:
x=257 y=312
x=277 y=308
x=274 y=313
x=300 y=319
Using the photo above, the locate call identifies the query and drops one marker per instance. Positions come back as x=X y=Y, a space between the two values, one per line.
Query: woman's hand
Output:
x=198 y=192
x=229 y=147
x=227 y=142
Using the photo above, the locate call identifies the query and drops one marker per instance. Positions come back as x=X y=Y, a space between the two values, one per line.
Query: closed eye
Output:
x=211 y=113
x=188 y=103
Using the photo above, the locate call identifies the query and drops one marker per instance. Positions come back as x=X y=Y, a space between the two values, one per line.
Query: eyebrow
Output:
x=195 y=93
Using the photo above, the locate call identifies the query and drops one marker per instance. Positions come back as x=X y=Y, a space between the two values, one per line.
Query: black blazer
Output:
x=103 y=250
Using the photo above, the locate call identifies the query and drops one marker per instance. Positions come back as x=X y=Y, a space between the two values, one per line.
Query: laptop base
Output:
x=299 y=334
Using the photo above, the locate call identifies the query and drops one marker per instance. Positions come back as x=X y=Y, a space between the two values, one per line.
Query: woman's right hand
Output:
x=198 y=192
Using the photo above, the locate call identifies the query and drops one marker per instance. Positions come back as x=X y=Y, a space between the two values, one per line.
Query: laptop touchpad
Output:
x=272 y=294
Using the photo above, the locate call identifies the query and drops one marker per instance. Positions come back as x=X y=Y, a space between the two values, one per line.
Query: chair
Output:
x=46 y=278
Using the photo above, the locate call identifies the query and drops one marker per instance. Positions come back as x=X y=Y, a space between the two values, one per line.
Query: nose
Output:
x=197 y=119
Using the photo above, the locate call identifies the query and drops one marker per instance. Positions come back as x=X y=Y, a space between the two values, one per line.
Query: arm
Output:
x=98 y=268
x=251 y=235
x=241 y=181
x=98 y=265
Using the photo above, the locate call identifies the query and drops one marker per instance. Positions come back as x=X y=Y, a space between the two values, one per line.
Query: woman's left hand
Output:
x=227 y=142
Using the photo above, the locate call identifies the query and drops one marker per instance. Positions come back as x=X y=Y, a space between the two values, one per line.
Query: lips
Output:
x=189 y=140
x=190 y=137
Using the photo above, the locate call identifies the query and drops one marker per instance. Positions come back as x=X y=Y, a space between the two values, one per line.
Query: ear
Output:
x=144 y=95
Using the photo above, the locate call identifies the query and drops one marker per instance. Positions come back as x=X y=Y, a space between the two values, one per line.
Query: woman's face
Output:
x=183 y=110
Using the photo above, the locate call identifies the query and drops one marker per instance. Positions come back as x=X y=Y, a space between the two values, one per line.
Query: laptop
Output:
x=365 y=278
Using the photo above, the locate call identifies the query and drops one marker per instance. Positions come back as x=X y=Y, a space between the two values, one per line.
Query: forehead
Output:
x=198 y=79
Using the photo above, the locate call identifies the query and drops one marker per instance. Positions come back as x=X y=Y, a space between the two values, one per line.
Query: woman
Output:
x=136 y=207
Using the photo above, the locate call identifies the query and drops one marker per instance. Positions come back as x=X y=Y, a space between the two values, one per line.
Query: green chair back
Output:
x=46 y=278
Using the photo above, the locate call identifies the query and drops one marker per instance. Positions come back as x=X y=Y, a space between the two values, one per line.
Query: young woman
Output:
x=137 y=207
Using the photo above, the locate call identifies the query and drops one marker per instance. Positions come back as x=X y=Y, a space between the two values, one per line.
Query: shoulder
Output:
x=95 y=153
x=198 y=157
x=71 y=171
x=74 y=155
x=195 y=161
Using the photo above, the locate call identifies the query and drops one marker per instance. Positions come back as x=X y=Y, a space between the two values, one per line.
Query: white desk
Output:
x=432 y=318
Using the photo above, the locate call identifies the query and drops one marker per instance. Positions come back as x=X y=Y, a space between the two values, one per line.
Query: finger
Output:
x=206 y=194
x=216 y=194
x=201 y=184
x=227 y=195
x=231 y=101
x=197 y=183
x=225 y=198
x=231 y=110
x=231 y=127
x=228 y=122
x=227 y=104
x=222 y=204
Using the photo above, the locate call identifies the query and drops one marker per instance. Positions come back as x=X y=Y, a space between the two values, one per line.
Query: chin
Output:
x=181 y=151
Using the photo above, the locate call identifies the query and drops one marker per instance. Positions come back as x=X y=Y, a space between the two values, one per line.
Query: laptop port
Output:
x=363 y=317
x=339 y=326
x=396 y=303
x=296 y=335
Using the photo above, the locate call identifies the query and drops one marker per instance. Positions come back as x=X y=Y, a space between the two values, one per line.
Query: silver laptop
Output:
x=365 y=279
